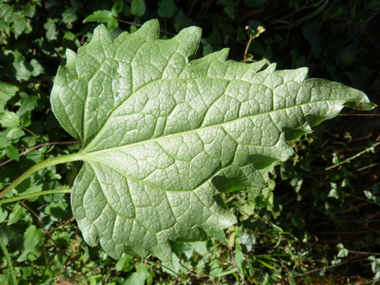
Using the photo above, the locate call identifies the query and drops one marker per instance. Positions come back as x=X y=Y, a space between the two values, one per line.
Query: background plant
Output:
x=332 y=231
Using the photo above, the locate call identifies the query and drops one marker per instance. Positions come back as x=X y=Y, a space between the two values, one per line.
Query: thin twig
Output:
x=35 y=147
x=359 y=115
x=62 y=225
x=317 y=32
x=188 y=13
x=353 y=157
x=319 y=269
x=365 y=167
x=204 y=14
x=30 y=132
x=246 y=48
x=361 y=27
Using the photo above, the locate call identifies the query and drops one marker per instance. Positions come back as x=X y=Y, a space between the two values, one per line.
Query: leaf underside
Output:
x=162 y=136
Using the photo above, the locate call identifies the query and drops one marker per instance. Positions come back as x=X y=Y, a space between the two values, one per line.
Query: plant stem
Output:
x=25 y=129
x=246 y=48
x=36 y=194
x=37 y=146
x=9 y=261
x=353 y=157
x=43 y=164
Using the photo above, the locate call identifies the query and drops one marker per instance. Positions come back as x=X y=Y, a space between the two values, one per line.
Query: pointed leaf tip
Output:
x=361 y=106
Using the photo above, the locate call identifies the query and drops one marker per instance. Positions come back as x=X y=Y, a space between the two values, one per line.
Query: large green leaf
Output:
x=162 y=135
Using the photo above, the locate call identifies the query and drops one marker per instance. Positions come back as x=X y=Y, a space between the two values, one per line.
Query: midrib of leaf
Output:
x=203 y=128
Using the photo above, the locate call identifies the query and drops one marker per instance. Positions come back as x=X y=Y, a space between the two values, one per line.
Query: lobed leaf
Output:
x=162 y=136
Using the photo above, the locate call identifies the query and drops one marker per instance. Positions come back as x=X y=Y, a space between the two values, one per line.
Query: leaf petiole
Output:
x=25 y=129
x=9 y=261
x=36 y=194
x=43 y=164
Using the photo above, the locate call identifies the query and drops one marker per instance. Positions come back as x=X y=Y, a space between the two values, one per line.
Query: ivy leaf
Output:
x=103 y=16
x=12 y=152
x=9 y=119
x=33 y=236
x=138 y=7
x=17 y=214
x=6 y=12
x=19 y=23
x=69 y=15
x=166 y=8
x=51 y=30
x=7 y=91
x=162 y=136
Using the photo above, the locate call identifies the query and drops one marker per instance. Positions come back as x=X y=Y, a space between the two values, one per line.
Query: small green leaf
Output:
x=166 y=8
x=229 y=7
x=174 y=267
x=138 y=277
x=4 y=142
x=3 y=214
x=7 y=91
x=179 y=20
x=29 y=10
x=125 y=263
x=103 y=16
x=18 y=68
x=334 y=192
x=3 y=24
x=368 y=194
x=9 y=119
x=17 y=214
x=19 y=23
x=232 y=235
x=6 y=12
x=33 y=237
x=69 y=15
x=117 y=8
x=200 y=247
x=249 y=240
x=246 y=210
x=343 y=252
x=296 y=182
x=27 y=104
x=15 y=134
x=59 y=260
x=51 y=31
x=217 y=235
x=12 y=152
x=57 y=210
x=138 y=7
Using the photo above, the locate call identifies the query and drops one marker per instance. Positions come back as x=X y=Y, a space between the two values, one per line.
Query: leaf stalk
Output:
x=9 y=261
x=36 y=194
x=43 y=164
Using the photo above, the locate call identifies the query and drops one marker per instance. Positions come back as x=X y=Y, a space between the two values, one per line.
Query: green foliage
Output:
x=288 y=232
x=149 y=121
x=138 y=7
